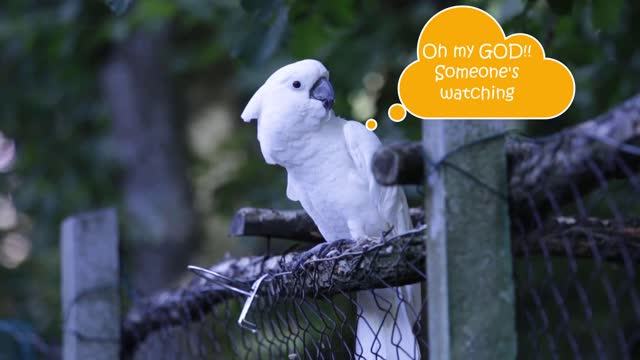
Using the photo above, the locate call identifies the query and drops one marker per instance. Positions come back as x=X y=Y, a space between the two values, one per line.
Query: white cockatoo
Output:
x=328 y=162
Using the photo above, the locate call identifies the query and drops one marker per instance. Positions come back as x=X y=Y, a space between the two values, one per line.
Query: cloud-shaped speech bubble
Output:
x=468 y=69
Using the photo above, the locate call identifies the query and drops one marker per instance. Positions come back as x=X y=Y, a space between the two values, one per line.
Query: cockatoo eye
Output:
x=296 y=84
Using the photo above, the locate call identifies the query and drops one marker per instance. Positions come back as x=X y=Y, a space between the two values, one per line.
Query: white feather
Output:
x=390 y=200
x=328 y=163
x=394 y=319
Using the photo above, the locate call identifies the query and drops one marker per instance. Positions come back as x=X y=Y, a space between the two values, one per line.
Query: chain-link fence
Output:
x=578 y=235
x=303 y=307
x=575 y=239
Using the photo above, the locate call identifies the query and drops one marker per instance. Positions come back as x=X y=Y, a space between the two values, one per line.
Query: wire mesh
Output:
x=575 y=216
x=306 y=309
x=578 y=295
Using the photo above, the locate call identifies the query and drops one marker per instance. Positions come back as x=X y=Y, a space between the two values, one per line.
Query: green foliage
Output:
x=119 y=6
x=51 y=55
x=606 y=14
x=561 y=7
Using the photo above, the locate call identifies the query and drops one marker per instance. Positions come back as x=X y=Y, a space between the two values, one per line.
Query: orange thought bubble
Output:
x=468 y=69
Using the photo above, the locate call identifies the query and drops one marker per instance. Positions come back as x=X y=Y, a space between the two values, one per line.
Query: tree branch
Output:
x=573 y=159
x=584 y=238
x=287 y=224
x=577 y=159
x=399 y=164
x=348 y=266
x=351 y=266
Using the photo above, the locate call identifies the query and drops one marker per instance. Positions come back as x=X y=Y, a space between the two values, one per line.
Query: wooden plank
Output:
x=90 y=296
x=287 y=224
x=469 y=266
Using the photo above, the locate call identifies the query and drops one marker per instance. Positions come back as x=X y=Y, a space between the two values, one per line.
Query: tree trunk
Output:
x=158 y=211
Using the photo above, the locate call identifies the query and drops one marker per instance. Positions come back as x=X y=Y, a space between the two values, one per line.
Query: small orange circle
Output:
x=397 y=112
x=371 y=124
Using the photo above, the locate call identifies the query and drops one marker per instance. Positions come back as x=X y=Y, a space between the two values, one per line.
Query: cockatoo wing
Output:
x=379 y=334
x=391 y=201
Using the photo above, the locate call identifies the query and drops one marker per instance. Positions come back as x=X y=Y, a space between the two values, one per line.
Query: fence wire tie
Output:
x=242 y=320
x=255 y=287
x=217 y=278
x=251 y=294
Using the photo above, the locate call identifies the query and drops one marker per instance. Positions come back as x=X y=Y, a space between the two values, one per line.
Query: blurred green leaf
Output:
x=308 y=36
x=262 y=9
x=340 y=12
x=606 y=14
x=561 y=7
x=255 y=5
x=119 y=7
x=154 y=11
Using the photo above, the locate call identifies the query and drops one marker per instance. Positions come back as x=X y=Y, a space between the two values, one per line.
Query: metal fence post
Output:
x=90 y=296
x=469 y=266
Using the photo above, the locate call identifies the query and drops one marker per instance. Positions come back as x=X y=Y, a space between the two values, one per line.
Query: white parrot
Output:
x=328 y=162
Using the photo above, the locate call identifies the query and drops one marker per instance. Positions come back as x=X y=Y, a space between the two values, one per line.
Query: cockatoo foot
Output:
x=326 y=249
x=386 y=233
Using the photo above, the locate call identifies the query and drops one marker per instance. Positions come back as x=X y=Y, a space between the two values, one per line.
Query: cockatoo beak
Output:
x=323 y=91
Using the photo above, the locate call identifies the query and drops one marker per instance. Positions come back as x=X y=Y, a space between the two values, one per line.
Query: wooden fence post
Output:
x=469 y=266
x=90 y=291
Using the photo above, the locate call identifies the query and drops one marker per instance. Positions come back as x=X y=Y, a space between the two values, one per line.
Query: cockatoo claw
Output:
x=305 y=256
x=386 y=233
x=319 y=251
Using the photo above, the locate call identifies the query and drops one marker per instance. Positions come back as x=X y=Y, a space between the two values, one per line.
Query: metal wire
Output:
x=576 y=255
